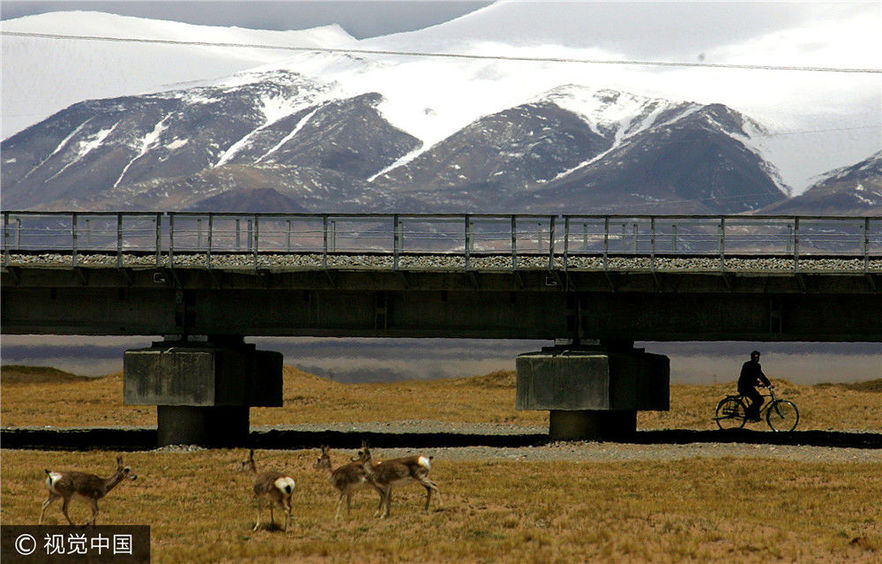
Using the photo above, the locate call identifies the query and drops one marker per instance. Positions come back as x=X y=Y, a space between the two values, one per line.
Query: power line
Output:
x=853 y=70
x=810 y=131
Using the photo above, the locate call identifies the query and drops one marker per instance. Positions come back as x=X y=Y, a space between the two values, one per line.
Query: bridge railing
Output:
x=724 y=235
x=164 y=238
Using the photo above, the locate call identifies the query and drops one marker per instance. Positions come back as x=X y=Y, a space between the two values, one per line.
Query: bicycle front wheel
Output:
x=731 y=414
x=782 y=416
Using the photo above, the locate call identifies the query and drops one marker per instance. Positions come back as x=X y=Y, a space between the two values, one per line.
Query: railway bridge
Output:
x=203 y=282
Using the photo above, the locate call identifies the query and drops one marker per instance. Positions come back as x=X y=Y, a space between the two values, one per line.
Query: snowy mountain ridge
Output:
x=263 y=128
x=432 y=98
x=42 y=76
x=853 y=189
x=382 y=130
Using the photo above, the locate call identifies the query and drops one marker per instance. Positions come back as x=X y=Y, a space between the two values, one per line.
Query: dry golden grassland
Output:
x=481 y=399
x=200 y=507
x=200 y=510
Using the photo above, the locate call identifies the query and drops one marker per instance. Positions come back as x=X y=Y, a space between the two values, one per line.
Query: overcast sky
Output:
x=655 y=27
x=366 y=18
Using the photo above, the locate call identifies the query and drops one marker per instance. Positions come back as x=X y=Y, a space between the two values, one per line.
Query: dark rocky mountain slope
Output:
x=278 y=141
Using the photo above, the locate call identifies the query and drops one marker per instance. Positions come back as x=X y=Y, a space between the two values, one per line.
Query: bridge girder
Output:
x=525 y=304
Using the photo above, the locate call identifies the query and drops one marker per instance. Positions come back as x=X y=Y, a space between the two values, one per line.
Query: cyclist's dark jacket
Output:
x=751 y=371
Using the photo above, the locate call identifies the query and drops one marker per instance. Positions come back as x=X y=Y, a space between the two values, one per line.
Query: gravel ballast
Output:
x=445 y=262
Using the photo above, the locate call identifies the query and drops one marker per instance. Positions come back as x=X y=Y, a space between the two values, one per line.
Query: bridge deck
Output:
x=607 y=277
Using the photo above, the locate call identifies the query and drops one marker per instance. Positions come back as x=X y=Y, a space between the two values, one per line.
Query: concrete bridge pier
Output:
x=203 y=387
x=593 y=392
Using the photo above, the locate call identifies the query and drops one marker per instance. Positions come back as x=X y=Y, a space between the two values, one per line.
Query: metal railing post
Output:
x=74 y=236
x=551 y=243
x=396 y=240
x=158 y=227
x=256 y=237
x=605 y=242
x=333 y=236
x=796 y=243
x=674 y=238
x=514 y=242
x=171 y=239
x=468 y=241
x=866 y=244
x=325 y=242
x=722 y=243
x=6 y=238
x=119 y=239
x=652 y=242
x=210 y=240
x=566 y=249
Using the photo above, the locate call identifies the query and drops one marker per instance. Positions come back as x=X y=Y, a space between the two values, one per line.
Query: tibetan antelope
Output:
x=398 y=471
x=90 y=487
x=278 y=488
x=346 y=479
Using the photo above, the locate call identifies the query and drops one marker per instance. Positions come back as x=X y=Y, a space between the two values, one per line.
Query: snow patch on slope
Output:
x=149 y=141
x=86 y=146
x=42 y=76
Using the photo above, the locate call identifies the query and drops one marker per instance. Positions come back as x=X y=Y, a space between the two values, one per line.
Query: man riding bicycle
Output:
x=752 y=376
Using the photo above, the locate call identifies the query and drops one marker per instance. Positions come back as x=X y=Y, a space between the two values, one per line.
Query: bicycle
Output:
x=781 y=415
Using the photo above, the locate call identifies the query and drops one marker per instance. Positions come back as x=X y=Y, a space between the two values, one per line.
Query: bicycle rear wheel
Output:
x=731 y=414
x=782 y=416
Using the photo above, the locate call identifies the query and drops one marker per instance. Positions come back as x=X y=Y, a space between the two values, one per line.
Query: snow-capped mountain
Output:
x=367 y=132
x=850 y=190
x=613 y=151
x=277 y=130
x=42 y=76
x=813 y=121
x=263 y=129
x=693 y=159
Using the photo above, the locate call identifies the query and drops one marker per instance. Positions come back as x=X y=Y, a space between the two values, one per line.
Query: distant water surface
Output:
x=373 y=360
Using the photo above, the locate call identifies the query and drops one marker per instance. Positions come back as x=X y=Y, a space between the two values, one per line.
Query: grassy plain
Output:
x=699 y=509
x=481 y=399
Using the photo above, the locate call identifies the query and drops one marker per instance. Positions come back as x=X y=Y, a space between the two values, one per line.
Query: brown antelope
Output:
x=346 y=479
x=278 y=488
x=90 y=487
x=398 y=471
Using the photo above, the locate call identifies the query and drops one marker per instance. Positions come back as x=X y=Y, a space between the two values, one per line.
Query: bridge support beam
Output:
x=202 y=389
x=593 y=392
